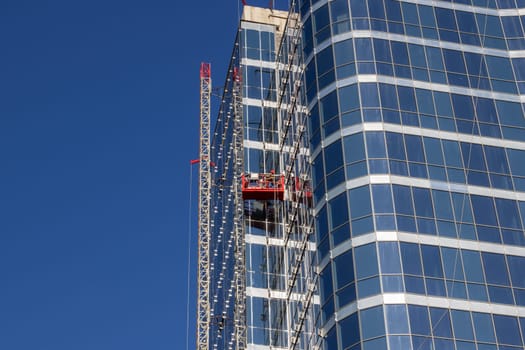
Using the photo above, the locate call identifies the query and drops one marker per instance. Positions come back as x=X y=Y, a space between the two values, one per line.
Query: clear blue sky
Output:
x=98 y=122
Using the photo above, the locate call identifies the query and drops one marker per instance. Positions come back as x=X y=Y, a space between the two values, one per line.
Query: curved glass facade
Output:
x=417 y=140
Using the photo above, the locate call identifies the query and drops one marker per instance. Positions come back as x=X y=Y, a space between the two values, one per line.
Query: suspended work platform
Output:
x=268 y=186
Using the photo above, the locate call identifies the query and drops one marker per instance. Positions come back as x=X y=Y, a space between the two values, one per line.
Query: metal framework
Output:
x=203 y=297
x=238 y=222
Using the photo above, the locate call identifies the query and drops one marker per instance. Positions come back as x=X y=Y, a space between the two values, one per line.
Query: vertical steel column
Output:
x=240 y=254
x=203 y=274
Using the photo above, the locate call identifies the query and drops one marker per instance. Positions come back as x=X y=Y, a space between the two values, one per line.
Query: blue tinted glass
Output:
x=496 y=159
x=344 y=52
x=419 y=322
x=344 y=266
x=375 y=144
x=363 y=49
x=508 y=213
x=403 y=200
x=388 y=96
x=483 y=208
x=399 y=52
x=382 y=50
x=397 y=319
x=354 y=148
x=338 y=211
x=382 y=195
x=517 y=270
x=414 y=147
x=422 y=202
x=348 y=98
x=389 y=257
x=349 y=330
x=431 y=261
x=472 y=265
x=483 y=327
x=442 y=205
x=396 y=146
x=517 y=161
x=507 y=330
x=360 y=202
x=452 y=263
x=462 y=325
x=366 y=261
x=454 y=61
x=326 y=283
x=370 y=326
x=333 y=156
x=407 y=100
x=369 y=95
x=411 y=259
x=495 y=268
x=440 y=322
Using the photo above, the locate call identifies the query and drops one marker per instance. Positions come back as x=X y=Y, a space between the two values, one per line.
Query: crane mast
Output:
x=203 y=297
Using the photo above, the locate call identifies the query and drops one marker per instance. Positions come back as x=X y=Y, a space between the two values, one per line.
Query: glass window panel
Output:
x=499 y=67
x=338 y=210
x=472 y=265
x=407 y=100
x=369 y=95
x=403 y=200
x=363 y=49
x=443 y=105
x=344 y=267
x=354 y=148
x=333 y=156
x=400 y=52
x=440 y=322
x=462 y=210
x=414 y=147
x=382 y=199
x=360 y=202
x=389 y=257
x=517 y=161
x=396 y=146
x=388 y=96
x=495 y=268
x=496 y=159
x=433 y=151
x=419 y=321
x=462 y=325
x=344 y=52
x=326 y=283
x=375 y=144
x=442 y=205
x=397 y=319
x=349 y=330
x=431 y=261
x=452 y=263
x=348 y=98
x=510 y=113
x=370 y=327
x=366 y=261
x=411 y=259
x=423 y=202
x=454 y=61
x=517 y=270
x=382 y=50
x=483 y=208
x=483 y=327
x=507 y=330
x=508 y=213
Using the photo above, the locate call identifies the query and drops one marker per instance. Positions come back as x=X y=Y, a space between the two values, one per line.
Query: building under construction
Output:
x=256 y=273
x=364 y=184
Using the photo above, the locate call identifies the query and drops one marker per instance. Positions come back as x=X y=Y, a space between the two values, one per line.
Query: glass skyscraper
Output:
x=417 y=139
x=414 y=156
